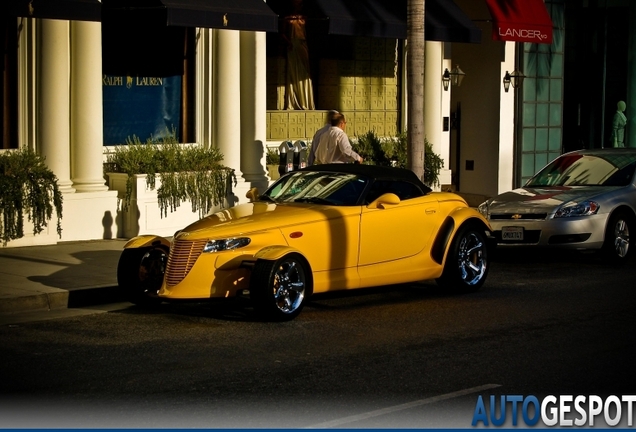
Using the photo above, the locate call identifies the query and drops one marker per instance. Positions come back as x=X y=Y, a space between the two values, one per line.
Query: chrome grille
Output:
x=519 y=216
x=183 y=255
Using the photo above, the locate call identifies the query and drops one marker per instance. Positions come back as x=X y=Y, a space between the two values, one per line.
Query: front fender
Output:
x=449 y=227
x=272 y=253
x=146 y=241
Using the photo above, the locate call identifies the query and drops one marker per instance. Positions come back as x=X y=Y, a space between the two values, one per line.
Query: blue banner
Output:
x=142 y=106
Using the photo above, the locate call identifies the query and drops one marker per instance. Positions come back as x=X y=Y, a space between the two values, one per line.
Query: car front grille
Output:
x=519 y=216
x=183 y=255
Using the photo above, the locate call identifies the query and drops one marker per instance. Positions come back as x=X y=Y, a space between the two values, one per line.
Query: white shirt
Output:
x=335 y=147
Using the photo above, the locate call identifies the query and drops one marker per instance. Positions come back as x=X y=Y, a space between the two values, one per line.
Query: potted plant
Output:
x=169 y=174
x=27 y=187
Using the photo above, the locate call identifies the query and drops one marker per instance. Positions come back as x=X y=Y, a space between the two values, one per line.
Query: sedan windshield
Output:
x=587 y=170
x=318 y=188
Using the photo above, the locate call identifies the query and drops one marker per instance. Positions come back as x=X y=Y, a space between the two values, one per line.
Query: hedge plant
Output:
x=27 y=186
x=187 y=172
x=392 y=151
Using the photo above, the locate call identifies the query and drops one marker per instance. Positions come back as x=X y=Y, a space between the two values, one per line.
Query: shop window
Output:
x=148 y=82
x=9 y=89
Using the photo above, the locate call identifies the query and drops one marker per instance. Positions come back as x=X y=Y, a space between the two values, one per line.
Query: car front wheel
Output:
x=140 y=274
x=617 y=244
x=279 y=289
x=467 y=262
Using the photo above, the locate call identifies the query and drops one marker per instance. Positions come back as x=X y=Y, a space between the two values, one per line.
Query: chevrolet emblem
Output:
x=515 y=216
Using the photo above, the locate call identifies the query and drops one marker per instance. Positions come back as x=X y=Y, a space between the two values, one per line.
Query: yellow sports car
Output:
x=318 y=229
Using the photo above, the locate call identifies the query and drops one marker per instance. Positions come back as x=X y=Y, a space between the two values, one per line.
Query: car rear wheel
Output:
x=140 y=274
x=617 y=244
x=280 y=288
x=467 y=262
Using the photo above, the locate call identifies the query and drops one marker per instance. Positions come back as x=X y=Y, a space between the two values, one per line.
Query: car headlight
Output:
x=226 y=244
x=586 y=208
x=483 y=209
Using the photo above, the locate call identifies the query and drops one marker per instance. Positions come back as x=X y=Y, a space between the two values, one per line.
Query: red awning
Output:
x=520 y=21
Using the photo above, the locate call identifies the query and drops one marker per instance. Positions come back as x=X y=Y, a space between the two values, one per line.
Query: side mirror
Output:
x=384 y=201
x=252 y=194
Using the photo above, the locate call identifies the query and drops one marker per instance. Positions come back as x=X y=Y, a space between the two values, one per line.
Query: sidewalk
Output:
x=65 y=275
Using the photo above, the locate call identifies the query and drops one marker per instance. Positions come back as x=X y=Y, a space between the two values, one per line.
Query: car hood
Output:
x=260 y=216
x=543 y=199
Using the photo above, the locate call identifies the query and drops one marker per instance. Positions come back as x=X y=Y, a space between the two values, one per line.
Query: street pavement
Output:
x=59 y=278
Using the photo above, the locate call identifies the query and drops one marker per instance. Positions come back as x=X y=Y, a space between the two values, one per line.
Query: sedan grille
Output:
x=519 y=216
x=183 y=255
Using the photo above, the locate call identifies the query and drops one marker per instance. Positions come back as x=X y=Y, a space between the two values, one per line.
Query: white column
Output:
x=54 y=101
x=253 y=108
x=227 y=110
x=433 y=95
x=87 y=130
x=505 y=168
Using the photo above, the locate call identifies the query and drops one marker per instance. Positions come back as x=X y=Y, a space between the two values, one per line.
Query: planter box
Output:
x=143 y=215
x=48 y=236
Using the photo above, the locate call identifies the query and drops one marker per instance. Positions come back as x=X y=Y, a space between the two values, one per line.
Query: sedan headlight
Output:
x=483 y=209
x=226 y=244
x=586 y=208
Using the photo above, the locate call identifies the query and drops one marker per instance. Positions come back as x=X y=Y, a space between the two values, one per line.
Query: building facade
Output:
x=66 y=66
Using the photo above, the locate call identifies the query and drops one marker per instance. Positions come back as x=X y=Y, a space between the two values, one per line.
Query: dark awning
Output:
x=252 y=15
x=520 y=21
x=444 y=20
x=79 y=10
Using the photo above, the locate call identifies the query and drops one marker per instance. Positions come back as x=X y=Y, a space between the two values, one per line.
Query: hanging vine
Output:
x=27 y=187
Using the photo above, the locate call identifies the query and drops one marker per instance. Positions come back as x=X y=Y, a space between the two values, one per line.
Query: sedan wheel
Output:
x=279 y=288
x=467 y=263
x=617 y=243
x=140 y=274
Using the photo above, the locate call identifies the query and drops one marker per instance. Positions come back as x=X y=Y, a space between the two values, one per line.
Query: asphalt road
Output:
x=403 y=356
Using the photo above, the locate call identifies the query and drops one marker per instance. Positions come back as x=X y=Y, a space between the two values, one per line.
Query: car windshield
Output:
x=587 y=170
x=318 y=187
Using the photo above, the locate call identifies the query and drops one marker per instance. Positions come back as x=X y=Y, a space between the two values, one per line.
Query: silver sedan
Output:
x=582 y=200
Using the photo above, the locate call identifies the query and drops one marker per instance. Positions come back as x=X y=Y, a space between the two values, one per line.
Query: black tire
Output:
x=617 y=245
x=279 y=289
x=140 y=274
x=467 y=264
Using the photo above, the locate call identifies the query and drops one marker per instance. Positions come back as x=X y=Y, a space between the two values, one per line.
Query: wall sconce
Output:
x=453 y=77
x=515 y=78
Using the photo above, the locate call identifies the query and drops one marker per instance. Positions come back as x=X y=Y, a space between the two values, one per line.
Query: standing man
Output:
x=320 y=132
x=334 y=144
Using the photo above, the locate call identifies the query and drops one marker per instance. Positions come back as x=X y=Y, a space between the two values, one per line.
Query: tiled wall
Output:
x=365 y=88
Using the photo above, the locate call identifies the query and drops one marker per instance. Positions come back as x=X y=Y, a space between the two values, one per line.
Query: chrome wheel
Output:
x=621 y=238
x=617 y=245
x=472 y=259
x=467 y=262
x=279 y=288
x=289 y=286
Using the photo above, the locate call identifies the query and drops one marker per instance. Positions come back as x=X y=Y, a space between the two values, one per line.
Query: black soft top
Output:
x=373 y=172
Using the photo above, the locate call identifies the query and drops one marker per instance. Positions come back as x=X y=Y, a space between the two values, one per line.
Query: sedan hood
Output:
x=543 y=199
x=260 y=216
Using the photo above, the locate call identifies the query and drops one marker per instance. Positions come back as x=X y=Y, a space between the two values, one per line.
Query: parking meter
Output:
x=286 y=161
x=300 y=154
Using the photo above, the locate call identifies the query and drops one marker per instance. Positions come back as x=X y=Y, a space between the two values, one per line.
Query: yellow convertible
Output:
x=319 y=229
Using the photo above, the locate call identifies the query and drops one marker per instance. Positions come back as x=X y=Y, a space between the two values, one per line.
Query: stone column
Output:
x=227 y=110
x=87 y=129
x=54 y=104
x=253 y=108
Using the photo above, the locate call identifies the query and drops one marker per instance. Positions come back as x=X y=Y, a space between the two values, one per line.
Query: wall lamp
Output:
x=515 y=78
x=452 y=77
